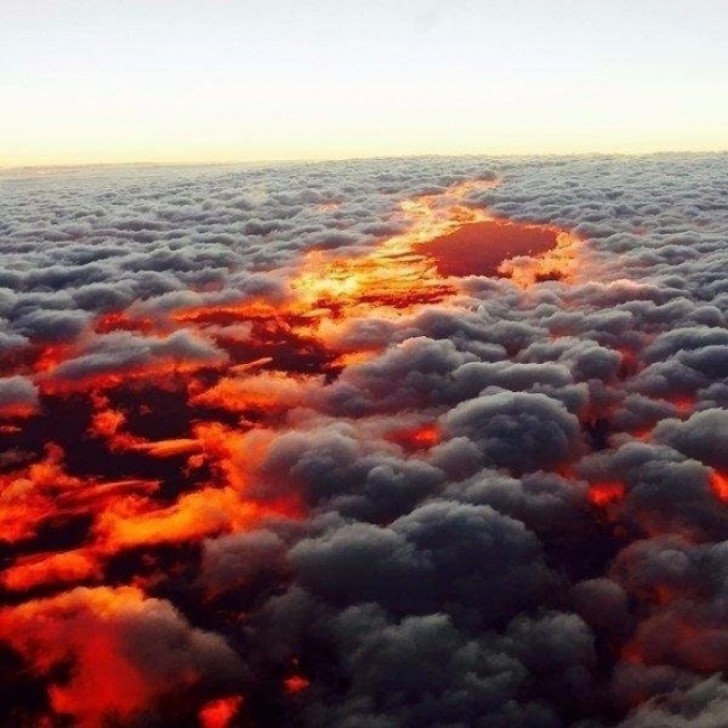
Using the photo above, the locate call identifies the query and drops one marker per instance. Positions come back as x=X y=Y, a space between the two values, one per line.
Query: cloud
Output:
x=263 y=463
x=702 y=436
x=125 y=652
x=519 y=431
x=18 y=395
x=702 y=706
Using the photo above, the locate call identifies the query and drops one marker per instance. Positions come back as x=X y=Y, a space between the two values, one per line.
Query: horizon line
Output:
x=374 y=157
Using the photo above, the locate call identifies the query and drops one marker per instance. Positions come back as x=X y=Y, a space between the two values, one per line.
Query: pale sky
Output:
x=240 y=80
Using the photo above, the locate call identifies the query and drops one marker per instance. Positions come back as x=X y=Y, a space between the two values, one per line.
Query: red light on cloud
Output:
x=606 y=494
x=719 y=485
x=219 y=713
x=53 y=568
x=164 y=445
x=121 y=321
x=683 y=403
x=418 y=438
x=296 y=684
x=86 y=626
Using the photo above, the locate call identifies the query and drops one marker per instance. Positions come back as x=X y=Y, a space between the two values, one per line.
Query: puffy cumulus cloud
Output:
x=362 y=562
x=121 y=353
x=265 y=463
x=409 y=375
x=602 y=603
x=660 y=491
x=234 y=561
x=335 y=468
x=559 y=649
x=18 y=395
x=702 y=706
x=552 y=506
x=422 y=563
x=414 y=673
x=670 y=568
x=702 y=436
x=683 y=586
x=520 y=431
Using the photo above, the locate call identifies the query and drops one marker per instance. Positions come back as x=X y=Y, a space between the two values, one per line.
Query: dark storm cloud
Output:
x=413 y=673
x=519 y=431
x=422 y=563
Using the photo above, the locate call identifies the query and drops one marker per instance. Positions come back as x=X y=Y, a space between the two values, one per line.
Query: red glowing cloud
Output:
x=606 y=494
x=719 y=484
x=115 y=641
x=163 y=426
x=296 y=684
x=220 y=713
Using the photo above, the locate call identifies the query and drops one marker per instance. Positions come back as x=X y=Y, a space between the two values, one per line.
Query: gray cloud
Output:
x=551 y=553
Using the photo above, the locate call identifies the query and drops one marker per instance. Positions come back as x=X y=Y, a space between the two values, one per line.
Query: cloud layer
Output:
x=264 y=464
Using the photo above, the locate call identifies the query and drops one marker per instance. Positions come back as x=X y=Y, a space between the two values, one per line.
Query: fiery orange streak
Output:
x=136 y=521
x=121 y=321
x=419 y=438
x=133 y=522
x=267 y=391
x=161 y=370
x=329 y=292
x=108 y=425
x=394 y=275
x=28 y=495
x=17 y=411
x=96 y=496
x=51 y=568
x=276 y=354
x=167 y=448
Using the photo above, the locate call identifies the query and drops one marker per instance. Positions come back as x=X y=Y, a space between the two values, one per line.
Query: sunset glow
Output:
x=291 y=351
x=285 y=81
x=363 y=364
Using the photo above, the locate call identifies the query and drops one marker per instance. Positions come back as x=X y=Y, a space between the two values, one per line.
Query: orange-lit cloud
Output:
x=52 y=568
x=101 y=633
x=166 y=424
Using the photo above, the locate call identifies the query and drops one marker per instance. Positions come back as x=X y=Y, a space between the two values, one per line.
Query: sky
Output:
x=184 y=81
